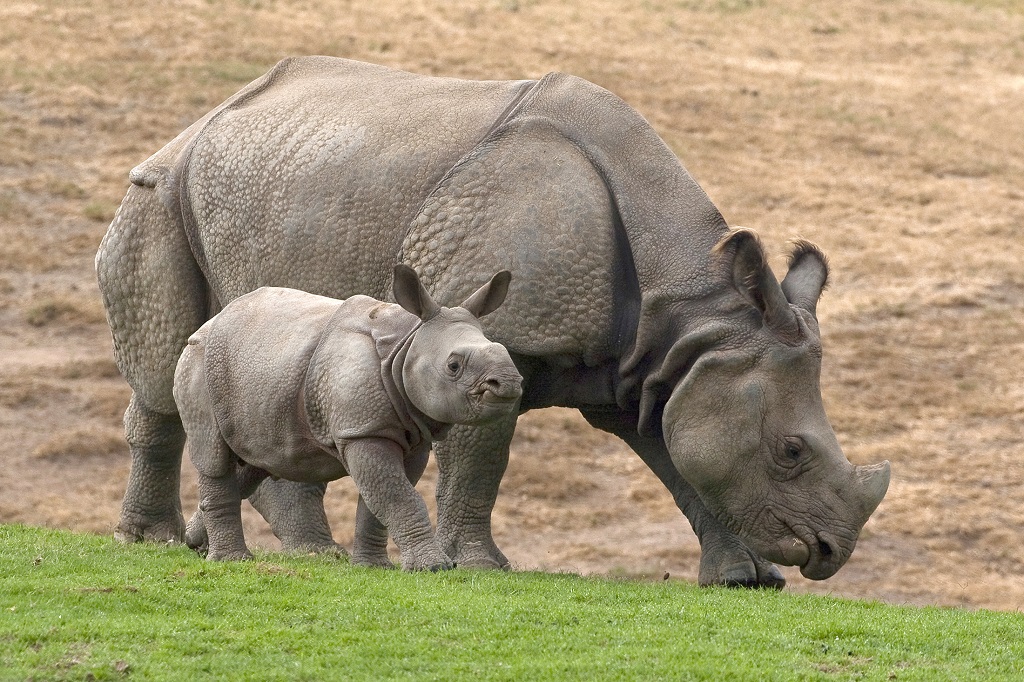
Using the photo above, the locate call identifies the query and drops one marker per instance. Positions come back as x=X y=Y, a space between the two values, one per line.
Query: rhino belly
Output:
x=312 y=182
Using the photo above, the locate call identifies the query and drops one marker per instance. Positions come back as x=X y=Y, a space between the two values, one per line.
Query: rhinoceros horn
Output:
x=874 y=482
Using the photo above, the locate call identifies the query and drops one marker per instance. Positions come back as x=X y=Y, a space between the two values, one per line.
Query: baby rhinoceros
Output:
x=292 y=385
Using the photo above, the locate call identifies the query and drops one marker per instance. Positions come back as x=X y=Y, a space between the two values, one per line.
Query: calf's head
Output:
x=452 y=373
x=746 y=426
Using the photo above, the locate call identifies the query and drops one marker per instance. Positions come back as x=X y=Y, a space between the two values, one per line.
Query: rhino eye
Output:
x=794 y=448
x=454 y=365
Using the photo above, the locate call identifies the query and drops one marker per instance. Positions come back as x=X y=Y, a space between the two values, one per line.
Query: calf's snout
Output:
x=500 y=379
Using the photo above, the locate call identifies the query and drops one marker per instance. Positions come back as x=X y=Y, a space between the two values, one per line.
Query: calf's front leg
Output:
x=371 y=542
x=387 y=496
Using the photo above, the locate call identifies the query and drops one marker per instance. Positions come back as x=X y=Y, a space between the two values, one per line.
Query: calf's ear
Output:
x=487 y=298
x=410 y=294
x=807 y=276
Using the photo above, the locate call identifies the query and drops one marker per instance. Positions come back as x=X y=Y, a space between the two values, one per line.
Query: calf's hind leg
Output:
x=295 y=512
x=220 y=503
x=248 y=478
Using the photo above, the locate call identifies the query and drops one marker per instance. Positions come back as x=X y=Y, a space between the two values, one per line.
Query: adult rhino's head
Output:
x=452 y=373
x=746 y=426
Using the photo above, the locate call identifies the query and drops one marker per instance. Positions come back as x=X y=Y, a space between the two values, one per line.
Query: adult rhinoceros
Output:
x=632 y=299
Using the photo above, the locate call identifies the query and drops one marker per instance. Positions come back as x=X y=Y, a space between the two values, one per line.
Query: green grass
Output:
x=83 y=607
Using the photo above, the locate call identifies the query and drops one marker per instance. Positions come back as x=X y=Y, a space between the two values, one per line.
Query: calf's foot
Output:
x=196 y=536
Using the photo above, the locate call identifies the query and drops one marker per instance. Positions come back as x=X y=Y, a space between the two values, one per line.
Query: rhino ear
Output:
x=756 y=282
x=410 y=294
x=807 y=276
x=487 y=298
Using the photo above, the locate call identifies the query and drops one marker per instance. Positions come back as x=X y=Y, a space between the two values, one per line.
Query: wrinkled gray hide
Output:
x=294 y=385
x=323 y=173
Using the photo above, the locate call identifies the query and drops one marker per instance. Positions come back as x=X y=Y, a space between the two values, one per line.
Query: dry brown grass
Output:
x=87 y=441
x=888 y=133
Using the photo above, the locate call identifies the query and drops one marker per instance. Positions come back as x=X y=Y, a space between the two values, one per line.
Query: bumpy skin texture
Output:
x=324 y=172
x=308 y=388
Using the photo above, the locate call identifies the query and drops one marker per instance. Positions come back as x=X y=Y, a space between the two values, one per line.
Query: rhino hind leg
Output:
x=725 y=559
x=155 y=297
x=196 y=535
x=471 y=462
x=295 y=512
x=151 y=510
x=220 y=510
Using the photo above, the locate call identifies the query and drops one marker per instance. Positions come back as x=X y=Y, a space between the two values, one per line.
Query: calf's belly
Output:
x=312 y=465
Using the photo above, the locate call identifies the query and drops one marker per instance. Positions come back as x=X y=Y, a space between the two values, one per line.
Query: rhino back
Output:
x=609 y=237
x=310 y=180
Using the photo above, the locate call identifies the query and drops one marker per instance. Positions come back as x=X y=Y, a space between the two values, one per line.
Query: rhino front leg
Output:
x=725 y=559
x=381 y=475
x=295 y=512
x=370 y=547
x=371 y=538
x=471 y=462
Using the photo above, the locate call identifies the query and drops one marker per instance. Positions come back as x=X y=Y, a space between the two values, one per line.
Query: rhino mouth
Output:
x=499 y=392
x=818 y=555
x=826 y=557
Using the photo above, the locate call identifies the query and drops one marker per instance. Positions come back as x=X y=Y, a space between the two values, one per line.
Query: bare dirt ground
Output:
x=892 y=134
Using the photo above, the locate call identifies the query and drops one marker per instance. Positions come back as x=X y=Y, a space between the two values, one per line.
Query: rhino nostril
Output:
x=492 y=384
x=824 y=548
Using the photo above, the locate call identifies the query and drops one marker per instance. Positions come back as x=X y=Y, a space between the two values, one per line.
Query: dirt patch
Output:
x=889 y=134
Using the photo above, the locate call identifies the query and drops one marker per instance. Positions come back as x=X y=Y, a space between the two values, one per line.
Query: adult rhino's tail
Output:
x=153 y=289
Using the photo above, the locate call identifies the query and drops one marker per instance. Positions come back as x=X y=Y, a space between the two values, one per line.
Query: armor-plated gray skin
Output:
x=324 y=172
x=308 y=388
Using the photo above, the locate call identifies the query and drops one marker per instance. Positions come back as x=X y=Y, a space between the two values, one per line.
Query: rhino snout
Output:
x=503 y=387
x=826 y=556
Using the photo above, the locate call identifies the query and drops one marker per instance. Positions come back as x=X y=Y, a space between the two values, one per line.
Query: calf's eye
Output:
x=454 y=364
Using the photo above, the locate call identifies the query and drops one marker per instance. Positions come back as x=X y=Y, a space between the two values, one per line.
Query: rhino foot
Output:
x=163 y=530
x=427 y=557
x=478 y=555
x=230 y=555
x=313 y=546
x=432 y=566
x=737 y=566
x=372 y=561
x=196 y=536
